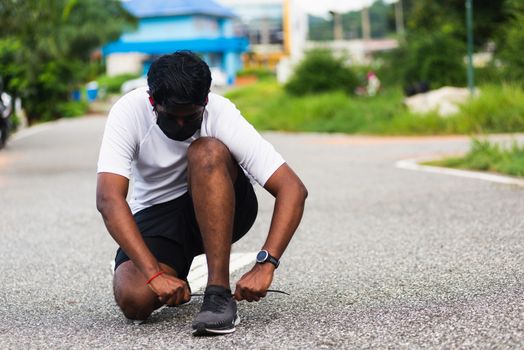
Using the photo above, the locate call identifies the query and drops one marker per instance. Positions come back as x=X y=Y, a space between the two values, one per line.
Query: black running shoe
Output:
x=218 y=314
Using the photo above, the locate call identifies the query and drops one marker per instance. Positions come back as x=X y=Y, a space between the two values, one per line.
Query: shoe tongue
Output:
x=219 y=290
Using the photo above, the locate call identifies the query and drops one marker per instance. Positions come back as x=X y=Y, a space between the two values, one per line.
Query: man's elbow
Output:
x=302 y=191
x=104 y=203
x=101 y=204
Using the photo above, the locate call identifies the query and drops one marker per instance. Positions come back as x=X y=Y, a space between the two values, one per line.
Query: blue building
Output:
x=165 y=26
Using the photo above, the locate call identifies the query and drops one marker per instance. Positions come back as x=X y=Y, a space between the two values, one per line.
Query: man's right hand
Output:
x=170 y=289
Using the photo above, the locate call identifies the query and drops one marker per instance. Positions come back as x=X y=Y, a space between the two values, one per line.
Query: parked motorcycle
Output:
x=6 y=110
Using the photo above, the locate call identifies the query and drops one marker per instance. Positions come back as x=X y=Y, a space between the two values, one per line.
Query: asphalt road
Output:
x=384 y=258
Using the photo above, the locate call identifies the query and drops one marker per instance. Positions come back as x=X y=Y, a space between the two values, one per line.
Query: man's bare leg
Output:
x=136 y=300
x=212 y=172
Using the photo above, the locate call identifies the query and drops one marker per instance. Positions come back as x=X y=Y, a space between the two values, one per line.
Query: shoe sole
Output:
x=201 y=329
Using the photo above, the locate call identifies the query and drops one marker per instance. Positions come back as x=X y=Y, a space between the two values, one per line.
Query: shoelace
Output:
x=269 y=291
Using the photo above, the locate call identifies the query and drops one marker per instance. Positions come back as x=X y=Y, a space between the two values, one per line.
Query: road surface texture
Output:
x=384 y=257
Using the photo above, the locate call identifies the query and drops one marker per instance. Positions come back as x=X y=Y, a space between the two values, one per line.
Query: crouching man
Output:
x=191 y=155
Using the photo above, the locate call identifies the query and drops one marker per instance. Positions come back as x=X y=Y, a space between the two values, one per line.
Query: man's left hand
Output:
x=254 y=284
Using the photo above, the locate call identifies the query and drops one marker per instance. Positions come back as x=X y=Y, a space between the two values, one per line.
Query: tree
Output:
x=511 y=42
x=435 y=44
x=449 y=16
x=45 y=47
x=381 y=26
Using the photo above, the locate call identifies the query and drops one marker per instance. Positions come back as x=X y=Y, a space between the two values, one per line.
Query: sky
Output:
x=321 y=7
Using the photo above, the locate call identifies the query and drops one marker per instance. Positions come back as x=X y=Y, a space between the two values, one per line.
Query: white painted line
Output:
x=198 y=273
x=412 y=164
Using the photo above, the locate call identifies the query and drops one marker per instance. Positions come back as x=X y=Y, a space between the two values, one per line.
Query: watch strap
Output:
x=273 y=260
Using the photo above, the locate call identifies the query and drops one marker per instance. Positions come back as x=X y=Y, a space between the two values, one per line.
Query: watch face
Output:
x=262 y=256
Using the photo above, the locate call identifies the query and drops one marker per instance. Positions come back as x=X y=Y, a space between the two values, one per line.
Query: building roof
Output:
x=164 y=8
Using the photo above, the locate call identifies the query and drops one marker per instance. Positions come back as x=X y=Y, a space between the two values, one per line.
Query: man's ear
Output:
x=151 y=99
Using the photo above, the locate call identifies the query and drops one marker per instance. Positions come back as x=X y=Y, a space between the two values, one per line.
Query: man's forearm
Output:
x=289 y=207
x=122 y=227
x=287 y=213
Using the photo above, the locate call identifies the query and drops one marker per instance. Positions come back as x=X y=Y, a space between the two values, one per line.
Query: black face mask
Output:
x=175 y=131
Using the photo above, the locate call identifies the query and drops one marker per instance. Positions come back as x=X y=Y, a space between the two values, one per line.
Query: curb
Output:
x=413 y=164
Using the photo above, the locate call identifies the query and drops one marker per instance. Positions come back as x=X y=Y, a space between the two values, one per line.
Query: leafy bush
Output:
x=11 y=51
x=46 y=95
x=318 y=72
x=512 y=43
x=15 y=122
x=490 y=74
x=73 y=108
x=434 y=57
x=112 y=84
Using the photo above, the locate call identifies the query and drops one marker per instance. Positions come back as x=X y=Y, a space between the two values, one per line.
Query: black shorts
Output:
x=170 y=229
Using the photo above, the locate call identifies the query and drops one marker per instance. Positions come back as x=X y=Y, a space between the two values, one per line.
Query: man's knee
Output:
x=135 y=300
x=135 y=305
x=208 y=152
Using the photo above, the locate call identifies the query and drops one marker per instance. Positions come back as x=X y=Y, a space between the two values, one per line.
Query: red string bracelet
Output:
x=154 y=276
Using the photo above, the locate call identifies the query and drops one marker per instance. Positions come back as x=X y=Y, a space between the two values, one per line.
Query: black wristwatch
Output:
x=263 y=256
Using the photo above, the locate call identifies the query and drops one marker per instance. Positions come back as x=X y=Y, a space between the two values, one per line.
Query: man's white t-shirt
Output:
x=134 y=146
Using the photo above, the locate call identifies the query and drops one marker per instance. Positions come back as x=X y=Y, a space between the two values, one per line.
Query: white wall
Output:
x=119 y=63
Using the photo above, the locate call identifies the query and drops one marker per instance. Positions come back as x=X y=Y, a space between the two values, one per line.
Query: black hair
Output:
x=179 y=78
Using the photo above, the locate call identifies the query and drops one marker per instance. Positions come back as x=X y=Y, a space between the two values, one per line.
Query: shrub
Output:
x=318 y=72
x=490 y=74
x=511 y=47
x=434 y=57
x=73 y=108
x=112 y=84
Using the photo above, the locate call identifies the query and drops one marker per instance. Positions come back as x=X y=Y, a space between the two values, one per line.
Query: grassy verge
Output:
x=112 y=84
x=73 y=108
x=268 y=107
x=486 y=156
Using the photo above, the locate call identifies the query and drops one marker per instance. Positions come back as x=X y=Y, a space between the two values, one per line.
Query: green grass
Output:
x=261 y=73
x=499 y=108
x=486 y=156
x=112 y=84
x=73 y=108
x=268 y=107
